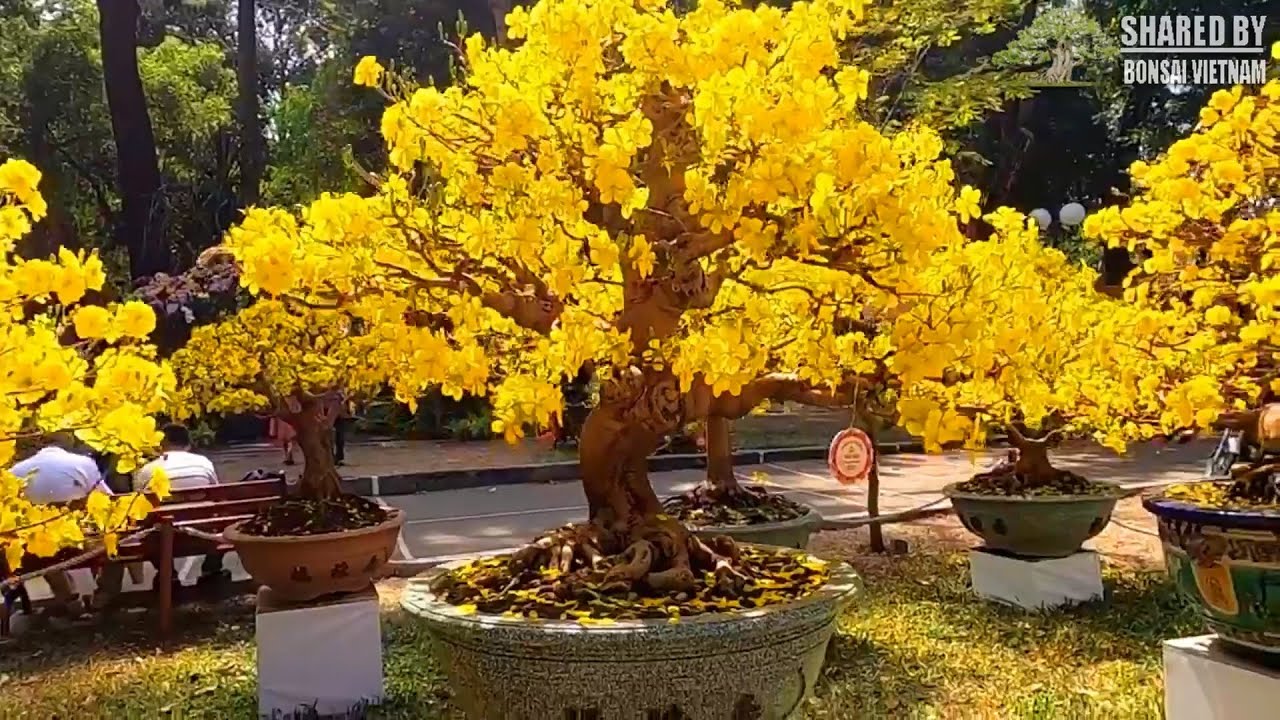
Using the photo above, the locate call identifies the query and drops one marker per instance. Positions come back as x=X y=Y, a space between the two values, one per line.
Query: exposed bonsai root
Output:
x=662 y=572
x=656 y=569
x=558 y=550
x=635 y=564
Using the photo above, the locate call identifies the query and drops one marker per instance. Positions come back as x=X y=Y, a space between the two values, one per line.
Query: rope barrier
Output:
x=16 y=580
x=1131 y=528
x=211 y=537
x=916 y=513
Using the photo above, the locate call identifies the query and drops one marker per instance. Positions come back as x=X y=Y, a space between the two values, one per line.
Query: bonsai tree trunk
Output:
x=626 y=518
x=315 y=440
x=721 y=482
x=1033 y=458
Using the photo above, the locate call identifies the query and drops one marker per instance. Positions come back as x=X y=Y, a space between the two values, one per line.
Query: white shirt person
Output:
x=184 y=468
x=56 y=475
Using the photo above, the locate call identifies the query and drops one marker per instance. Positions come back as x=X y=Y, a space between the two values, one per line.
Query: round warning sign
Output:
x=850 y=456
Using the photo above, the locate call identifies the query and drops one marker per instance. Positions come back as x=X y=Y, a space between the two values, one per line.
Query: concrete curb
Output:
x=459 y=479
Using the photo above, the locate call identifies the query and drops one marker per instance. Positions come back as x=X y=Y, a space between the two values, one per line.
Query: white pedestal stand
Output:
x=1036 y=583
x=1204 y=682
x=326 y=655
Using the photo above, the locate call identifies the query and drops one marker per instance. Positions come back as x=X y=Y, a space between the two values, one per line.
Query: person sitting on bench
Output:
x=55 y=476
x=185 y=470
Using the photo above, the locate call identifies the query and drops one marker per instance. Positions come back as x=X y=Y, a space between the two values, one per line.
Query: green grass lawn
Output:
x=918 y=645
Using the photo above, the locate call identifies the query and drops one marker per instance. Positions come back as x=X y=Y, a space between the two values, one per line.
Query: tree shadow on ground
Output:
x=864 y=678
x=920 y=642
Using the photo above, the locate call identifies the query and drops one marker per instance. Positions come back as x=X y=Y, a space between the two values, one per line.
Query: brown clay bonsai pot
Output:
x=299 y=568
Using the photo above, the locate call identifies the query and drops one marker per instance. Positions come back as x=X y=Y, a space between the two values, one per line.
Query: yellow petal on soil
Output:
x=588 y=620
x=468 y=609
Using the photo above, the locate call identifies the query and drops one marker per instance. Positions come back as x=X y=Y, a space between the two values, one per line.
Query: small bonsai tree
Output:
x=69 y=367
x=284 y=359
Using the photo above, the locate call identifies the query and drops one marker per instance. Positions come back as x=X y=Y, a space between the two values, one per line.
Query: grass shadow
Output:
x=864 y=678
x=956 y=655
x=122 y=634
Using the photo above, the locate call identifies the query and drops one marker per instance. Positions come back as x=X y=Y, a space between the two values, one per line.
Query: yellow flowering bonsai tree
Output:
x=1206 y=224
x=287 y=360
x=692 y=204
x=69 y=367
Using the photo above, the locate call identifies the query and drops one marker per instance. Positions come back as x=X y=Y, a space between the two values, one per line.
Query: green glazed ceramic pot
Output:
x=1050 y=526
x=1227 y=564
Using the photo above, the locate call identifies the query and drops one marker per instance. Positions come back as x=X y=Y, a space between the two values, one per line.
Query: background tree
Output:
x=141 y=228
x=252 y=150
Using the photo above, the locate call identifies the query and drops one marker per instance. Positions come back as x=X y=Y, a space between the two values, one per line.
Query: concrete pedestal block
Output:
x=325 y=654
x=1203 y=680
x=1036 y=583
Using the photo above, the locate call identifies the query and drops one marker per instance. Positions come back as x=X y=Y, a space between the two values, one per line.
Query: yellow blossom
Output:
x=368 y=71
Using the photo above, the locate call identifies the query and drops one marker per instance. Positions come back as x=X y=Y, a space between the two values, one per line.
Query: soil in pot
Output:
x=307 y=516
x=1027 y=472
x=705 y=506
x=507 y=585
x=1254 y=491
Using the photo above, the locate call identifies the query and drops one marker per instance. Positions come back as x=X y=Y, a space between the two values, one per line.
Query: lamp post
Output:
x=1070 y=216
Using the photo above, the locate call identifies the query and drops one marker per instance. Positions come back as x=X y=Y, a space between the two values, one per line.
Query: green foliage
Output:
x=52 y=112
x=190 y=92
x=1060 y=41
x=475 y=426
x=314 y=134
x=930 y=60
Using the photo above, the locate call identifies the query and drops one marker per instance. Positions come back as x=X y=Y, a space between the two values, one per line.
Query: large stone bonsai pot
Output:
x=299 y=568
x=793 y=533
x=1227 y=563
x=756 y=664
x=1050 y=526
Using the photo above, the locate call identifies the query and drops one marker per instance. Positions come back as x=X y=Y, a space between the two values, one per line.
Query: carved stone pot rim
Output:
x=1183 y=511
x=810 y=517
x=233 y=533
x=843 y=586
x=951 y=490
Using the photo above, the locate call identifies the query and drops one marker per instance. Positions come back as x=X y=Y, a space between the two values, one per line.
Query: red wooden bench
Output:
x=207 y=510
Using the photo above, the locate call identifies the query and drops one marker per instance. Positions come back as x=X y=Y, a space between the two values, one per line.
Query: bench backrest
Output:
x=211 y=504
x=228 y=491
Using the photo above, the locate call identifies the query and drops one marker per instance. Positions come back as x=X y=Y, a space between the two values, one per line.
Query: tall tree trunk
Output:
x=720 y=477
x=252 y=160
x=142 y=223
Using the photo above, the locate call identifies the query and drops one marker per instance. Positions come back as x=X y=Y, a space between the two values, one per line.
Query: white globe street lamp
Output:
x=1071 y=214
x=1042 y=218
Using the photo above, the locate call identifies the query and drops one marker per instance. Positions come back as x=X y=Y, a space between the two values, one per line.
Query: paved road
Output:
x=464 y=521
